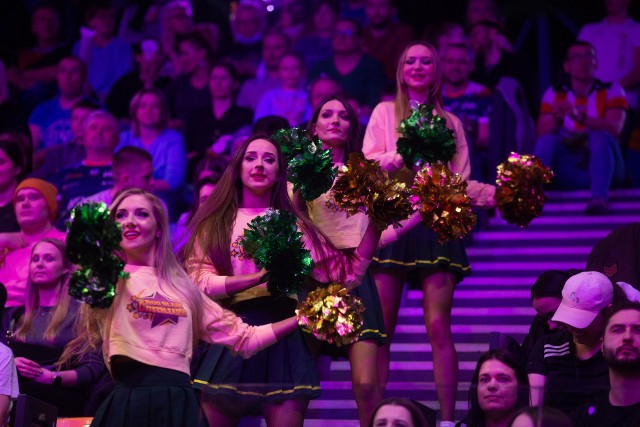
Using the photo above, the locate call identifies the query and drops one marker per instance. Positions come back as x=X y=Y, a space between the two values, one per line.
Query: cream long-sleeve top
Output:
x=152 y=325
x=381 y=137
x=203 y=273
x=346 y=232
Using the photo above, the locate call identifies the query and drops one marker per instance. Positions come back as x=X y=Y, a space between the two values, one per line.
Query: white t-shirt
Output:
x=8 y=374
x=614 y=44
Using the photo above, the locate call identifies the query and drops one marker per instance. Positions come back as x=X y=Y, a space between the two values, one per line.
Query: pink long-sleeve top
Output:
x=382 y=134
x=152 y=325
x=203 y=273
x=380 y=144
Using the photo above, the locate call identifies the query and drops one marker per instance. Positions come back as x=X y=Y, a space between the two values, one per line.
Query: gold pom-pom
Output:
x=520 y=193
x=332 y=315
x=362 y=185
x=443 y=201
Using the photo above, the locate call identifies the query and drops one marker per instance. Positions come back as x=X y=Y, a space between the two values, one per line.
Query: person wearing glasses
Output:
x=579 y=128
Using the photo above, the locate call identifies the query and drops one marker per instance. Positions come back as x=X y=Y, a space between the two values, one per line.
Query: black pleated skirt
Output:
x=149 y=396
x=419 y=250
x=283 y=371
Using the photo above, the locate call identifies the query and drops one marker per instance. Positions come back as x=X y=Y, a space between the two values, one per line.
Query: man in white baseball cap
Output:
x=566 y=368
x=583 y=297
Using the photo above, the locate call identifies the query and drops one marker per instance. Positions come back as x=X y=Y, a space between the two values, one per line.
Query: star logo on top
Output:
x=158 y=308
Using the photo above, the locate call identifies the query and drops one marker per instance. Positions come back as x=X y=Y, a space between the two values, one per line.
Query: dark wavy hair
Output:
x=476 y=414
x=417 y=418
x=354 y=141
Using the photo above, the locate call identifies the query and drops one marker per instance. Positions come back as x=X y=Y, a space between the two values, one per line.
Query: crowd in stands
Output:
x=171 y=99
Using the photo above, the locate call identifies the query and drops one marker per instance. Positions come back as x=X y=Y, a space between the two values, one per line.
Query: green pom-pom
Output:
x=91 y=241
x=274 y=242
x=309 y=167
x=425 y=137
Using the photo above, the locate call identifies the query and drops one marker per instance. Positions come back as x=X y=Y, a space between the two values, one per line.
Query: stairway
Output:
x=505 y=261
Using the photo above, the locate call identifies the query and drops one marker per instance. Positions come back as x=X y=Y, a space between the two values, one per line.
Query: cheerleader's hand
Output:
x=28 y=368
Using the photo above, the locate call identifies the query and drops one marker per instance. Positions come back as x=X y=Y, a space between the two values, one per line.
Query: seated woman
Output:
x=204 y=187
x=39 y=331
x=397 y=412
x=211 y=127
x=36 y=207
x=499 y=387
x=149 y=116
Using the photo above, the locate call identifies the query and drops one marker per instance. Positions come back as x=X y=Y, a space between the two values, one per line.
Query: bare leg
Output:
x=216 y=416
x=437 y=300
x=289 y=413
x=363 y=357
x=389 y=283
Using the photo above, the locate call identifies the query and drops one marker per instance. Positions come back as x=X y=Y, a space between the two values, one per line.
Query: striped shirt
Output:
x=601 y=97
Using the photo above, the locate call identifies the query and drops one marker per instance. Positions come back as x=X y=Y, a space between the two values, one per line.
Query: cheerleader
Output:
x=279 y=382
x=335 y=124
x=147 y=334
x=438 y=267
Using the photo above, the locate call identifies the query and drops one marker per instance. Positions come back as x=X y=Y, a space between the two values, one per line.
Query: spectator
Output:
x=50 y=122
x=471 y=102
x=544 y=416
x=383 y=38
x=211 y=127
x=315 y=45
x=579 y=126
x=50 y=161
x=615 y=255
x=546 y=296
x=40 y=329
x=621 y=347
x=107 y=57
x=34 y=73
x=616 y=40
x=149 y=115
x=567 y=368
x=177 y=22
x=294 y=18
x=24 y=143
x=355 y=10
x=9 y=389
x=274 y=46
x=494 y=58
x=148 y=59
x=393 y=411
x=203 y=188
x=36 y=209
x=482 y=10
x=248 y=25
x=190 y=90
x=93 y=173
x=132 y=168
x=445 y=34
x=357 y=72
x=499 y=387
x=322 y=88
x=11 y=171
x=268 y=125
x=290 y=100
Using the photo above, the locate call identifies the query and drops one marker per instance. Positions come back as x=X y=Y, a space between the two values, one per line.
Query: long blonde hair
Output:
x=402 y=110
x=171 y=278
x=33 y=298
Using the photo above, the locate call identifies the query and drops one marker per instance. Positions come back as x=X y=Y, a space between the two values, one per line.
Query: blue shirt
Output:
x=54 y=122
